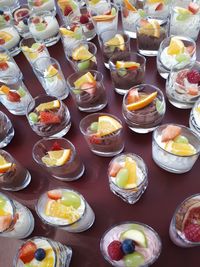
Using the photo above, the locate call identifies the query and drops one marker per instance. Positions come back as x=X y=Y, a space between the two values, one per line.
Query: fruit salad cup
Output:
x=50 y=75
x=143 y=108
x=183 y=86
x=103 y=134
x=65 y=209
x=44 y=27
x=42 y=252
x=127 y=175
x=67 y=6
x=175 y=52
x=16 y=220
x=83 y=56
x=6 y=130
x=13 y=176
x=157 y=8
x=14 y=95
x=21 y=16
x=175 y=148
x=87 y=90
x=113 y=42
x=194 y=120
x=185 y=21
x=98 y=6
x=48 y=116
x=42 y=5
x=59 y=158
x=130 y=244
x=12 y=4
x=150 y=34
x=184 y=227
x=127 y=69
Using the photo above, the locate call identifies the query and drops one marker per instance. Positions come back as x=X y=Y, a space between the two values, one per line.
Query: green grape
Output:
x=182 y=58
x=40 y=27
x=182 y=17
x=71 y=199
x=142 y=13
x=113 y=11
x=2 y=202
x=33 y=117
x=84 y=65
x=181 y=139
x=35 y=46
x=21 y=92
x=122 y=177
x=122 y=72
x=134 y=260
x=159 y=106
x=94 y=126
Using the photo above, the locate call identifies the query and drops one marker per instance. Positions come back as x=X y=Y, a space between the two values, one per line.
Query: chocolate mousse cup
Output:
x=124 y=79
x=146 y=119
x=108 y=51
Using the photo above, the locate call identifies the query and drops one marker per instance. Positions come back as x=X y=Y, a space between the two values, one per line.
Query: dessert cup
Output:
x=177 y=156
x=146 y=250
x=50 y=75
x=65 y=7
x=127 y=175
x=88 y=97
x=123 y=77
x=143 y=118
x=113 y=42
x=159 y=9
x=14 y=176
x=6 y=130
x=106 y=141
x=194 y=120
x=98 y=7
x=47 y=5
x=16 y=220
x=48 y=116
x=70 y=212
x=12 y=4
x=70 y=169
x=21 y=16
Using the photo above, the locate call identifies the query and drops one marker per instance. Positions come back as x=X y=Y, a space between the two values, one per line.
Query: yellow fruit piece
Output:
x=183 y=11
x=4 y=90
x=151 y=28
x=4 y=57
x=51 y=71
x=117 y=40
x=3 y=212
x=154 y=1
x=180 y=149
x=103 y=18
x=47 y=262
x=129 y=6
x=175 y=47
x=5 y=36
x=143 y=102
x=4 y=165
x=64 y=3
x=131 y=166
x=57 y=157
x=81 y=53
x=86 y=78
x=48 y=105
x=107 y=125
x=126 y=64
x=67 y=32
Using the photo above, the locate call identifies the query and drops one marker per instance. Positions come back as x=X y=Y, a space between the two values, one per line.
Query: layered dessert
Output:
x=42 y=5
x=9 y=39
x=6 y=130
x=130 y=244
x=195 y=118
x=157 y=8
x=8 y=67
x=43 y=252
x=128 y=177
x=143 y=108
x=175 y=148
x=21 y=17
x=67 y=6
x=184 y=227
x=66 y=209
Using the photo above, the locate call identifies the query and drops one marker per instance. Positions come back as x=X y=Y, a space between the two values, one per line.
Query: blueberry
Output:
x=128 y=246
x=40 y=254
x=1 y=12
x=25 y=20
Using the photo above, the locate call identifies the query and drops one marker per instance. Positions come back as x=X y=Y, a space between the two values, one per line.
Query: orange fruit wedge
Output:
x=127 y=64
x=117 y=40
x=67 y=32
x=129 y=6
x=86 y=78
x=51 y=71
x=100 y=18
x=4 y=165
x=180 y=149
x=154 y=1
x=150 y=28
x=82 y=53
x=175 y=47
x=5 y=36
x=142 y=103
x=48 y=105
x=4 y=90
x=131 y=166
x=4 y=57
x=107 y=125
x=56 y=157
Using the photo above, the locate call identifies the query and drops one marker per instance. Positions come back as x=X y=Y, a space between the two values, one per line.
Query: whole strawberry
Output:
x=115 y=250
x=193 y=76
x=192 y=232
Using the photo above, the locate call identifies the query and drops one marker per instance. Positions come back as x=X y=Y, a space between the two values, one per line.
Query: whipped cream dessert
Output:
x=10 y=69
x=157 y=8
x=129 y=21
x=99 y=7
x=44 y=5
x=106 y=25
x=10 y=37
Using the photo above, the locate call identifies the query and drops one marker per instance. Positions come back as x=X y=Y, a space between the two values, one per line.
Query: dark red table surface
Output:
x=155 y=208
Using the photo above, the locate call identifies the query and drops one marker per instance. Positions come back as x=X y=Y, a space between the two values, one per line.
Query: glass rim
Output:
x=175 y=7
x=35 y=63
x=13 y=211
x=156 y=18
x=116 y=32
x=176 y=69
x=23 y=6
x=180 y=37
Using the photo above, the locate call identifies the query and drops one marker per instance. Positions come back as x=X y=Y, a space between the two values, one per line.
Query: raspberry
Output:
x=193 y=76
x=192 y=232
x=84 y=19
x=115 y=250
x=56 y=146
x=90 y=26
x=67 y=10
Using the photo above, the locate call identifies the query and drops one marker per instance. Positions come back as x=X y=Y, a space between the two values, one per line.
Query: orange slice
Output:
x=131 y=166
x=175 y=47
x=86 y=78
x=48 y=105
x=180 y=149
x=127 y=64
x=143 y=102
x=4 y=90
x=4 y=165
x=154 y=1
x=107 y=125
x=81 y=53
x=67 y=32
x=117 y=40
x=150 y=28
x=56 y=157
x=129 y=6
x=5 y=36
x=100 y=18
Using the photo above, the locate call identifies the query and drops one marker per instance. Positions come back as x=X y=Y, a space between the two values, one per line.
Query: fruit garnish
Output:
x=4 y=165
x=84 y=19
x=193 y=91
x=194 y=8
x=150 y=28
x=13 y=96
x=40 y=254
x=143 y=102
x=170 y=132
x=5 y=36
x=51 y=71
x=193 y=76
x=84 y=65
x=183 y=13
x=117 y=40
x=4 y=57
x=122 y=178
x=136 y=235
x=129 y=6
x=115 y=250
x=192 y=232
x=133 y=96
x=182 y=58
x=41 y=26
x=47 y=262
x=114 y=169
x=33 y=117
x=100 y=18
x=81 y=53
x=159 y=7
x=127 y=65
x=135 y=259
x=56 y=146
x=128 y=246
x=175 y=47
x=94 y=126
x=67 y=32
x=67 y=6
x=27 y=251
x=86 y=78
x=56 y=157
x=89 y=88
x=107 y=125
x=48 y=105
x=3 y=65
x=54 y=194
x=180 y=149
x=2 y=202
x=67 y=10
x=4 y=89
x=181 y=139
x=21 y=92
x=47 y=117
x=131 y=166
x=154 y=1
x=5 y=221
x=95 y=139
x=71 y=199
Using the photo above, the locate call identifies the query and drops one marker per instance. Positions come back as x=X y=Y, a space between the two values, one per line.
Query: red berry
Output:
x=47 y=117
x=115 y=250
x=90 y=26
x=13 y=96
x=193 y=7
x=181 y=76
x=192 y=232
x=6 y=17
x=27 y=251
x=56 y=146
x=193 y=76
x=84 y=19
x=36 y=20
x=159 y=7
x=3 y=65
x=54 y=194
x=67 y=10
x=38 y=2
x=94 y=139
x=2 y=41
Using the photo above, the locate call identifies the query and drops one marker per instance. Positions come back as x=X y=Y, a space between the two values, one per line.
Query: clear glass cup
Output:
x=21 y=16
x=14 y=94
x=12 y=4
x=105 y=20
x=50 y=75
x=58 y=255
x=47 y=5
x=33 y=50
x=123 y=77
x=76 y=60
x=136 y=177
x=65 y=7
x=53 y=121
x=149 y=39
x=16 y=220
x=159 y=9
x=13 y=176
x=143 y=118
x=93 y=95
x=166 y=61
x=146 y=252
x=79 y=215
x=180 y=91
x=44 y=27
x=107 y=47
x=105 y=145
x=184 y=219
x=71 y=170
x=172 y=162
x=194 y=120
x=98 y=7
x=184 y=22
x=6 y=130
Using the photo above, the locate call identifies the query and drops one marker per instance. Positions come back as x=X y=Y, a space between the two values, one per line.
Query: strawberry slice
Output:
x=13 y=96
x=133 y=96
x=159 y=7
x=89 y=87
x=56 y=146
x=194 y=8
x=2 y=41
x=27 y=251
x=94 y=139
x=54 y=194
x=67 y=10
x=49 y=118
x=3 y=65
x=114 y=169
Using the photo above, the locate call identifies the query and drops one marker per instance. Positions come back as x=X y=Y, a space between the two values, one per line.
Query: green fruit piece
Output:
x=35 y=46
x=78 y=34
x=122 y=178
x=182 y=17
x=40 y=27
x=181 y=139
x=159 y=106
x=94 y=126
x=142 y=13
x=136 y=235
x=134 y=260
x=84 y=65
x=77 y=91
x=2 y=202
x=112 y=48
x=33 y=117
x=71 y=199
x=122 y=72
x=113 y=11
x=182 y=58
x=21 y=92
